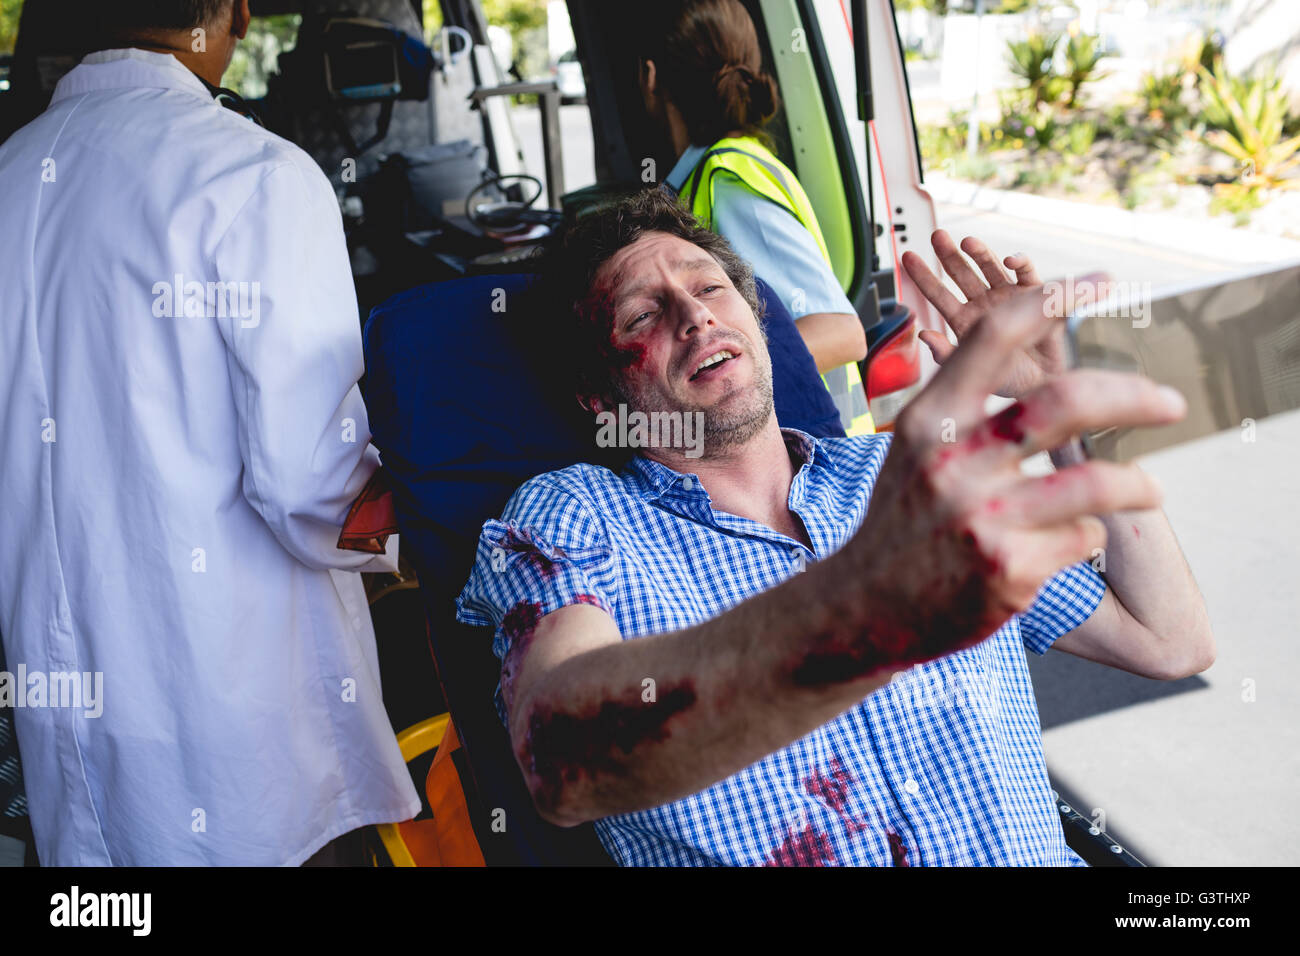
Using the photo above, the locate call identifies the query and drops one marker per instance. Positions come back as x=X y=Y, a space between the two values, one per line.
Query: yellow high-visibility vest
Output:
x=754 y=165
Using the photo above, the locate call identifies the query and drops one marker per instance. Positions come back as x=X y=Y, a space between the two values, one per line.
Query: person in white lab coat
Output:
x=181 y=434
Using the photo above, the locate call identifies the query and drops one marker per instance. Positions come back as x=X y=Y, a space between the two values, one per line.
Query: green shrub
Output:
x=1023 y=120
x=1083 y=53
x=1079 y=137
x=1040 y=175
x=1238 y=200
x=1167 y=104
x=1032 y=59
x=975 y=168
x=1117 y=123
x=1249 y=117
x=942 y=142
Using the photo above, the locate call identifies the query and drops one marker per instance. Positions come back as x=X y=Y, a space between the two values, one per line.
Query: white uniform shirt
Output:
x=173 y=484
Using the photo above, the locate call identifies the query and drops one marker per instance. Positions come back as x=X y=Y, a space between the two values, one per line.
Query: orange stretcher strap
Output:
x=457 y=844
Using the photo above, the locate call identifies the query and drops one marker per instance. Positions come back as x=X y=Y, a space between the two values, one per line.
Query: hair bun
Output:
x=747 y=98
x=733 y=73
x=762 y=98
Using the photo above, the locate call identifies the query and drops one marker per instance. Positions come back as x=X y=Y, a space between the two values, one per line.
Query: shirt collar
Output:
x=685 y=163
x=656 y=479
x=129 y=68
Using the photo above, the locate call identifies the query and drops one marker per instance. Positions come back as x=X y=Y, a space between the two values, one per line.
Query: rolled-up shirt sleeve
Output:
x=1063 y=603
x=548 y=550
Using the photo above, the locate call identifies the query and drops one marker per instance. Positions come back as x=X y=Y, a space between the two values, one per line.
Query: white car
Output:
x=568 y=75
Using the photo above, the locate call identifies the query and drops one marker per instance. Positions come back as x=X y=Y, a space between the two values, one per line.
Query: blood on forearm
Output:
x=594 y=739
x=561 y=747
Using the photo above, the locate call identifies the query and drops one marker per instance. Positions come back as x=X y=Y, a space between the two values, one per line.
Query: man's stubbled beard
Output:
x=722 y=432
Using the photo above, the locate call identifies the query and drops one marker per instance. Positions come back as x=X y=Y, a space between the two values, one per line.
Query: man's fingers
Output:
x=1092 y=488
x=938 y=344
x=1038 y=554
x=988 y=263
x=1077 y=402
x=1025 y=272
x=932 y=287
x=955 y=264
x=976 y=369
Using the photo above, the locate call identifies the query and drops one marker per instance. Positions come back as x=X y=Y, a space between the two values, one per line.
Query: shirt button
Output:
x=912 y=787
x=356 y=622
x=688 y=483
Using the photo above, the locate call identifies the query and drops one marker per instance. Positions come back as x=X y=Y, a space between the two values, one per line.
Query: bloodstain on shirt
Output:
x=856 y=826
x=521 y=620
x=832 y=788
x=519 y=625
x=897 y=852
x=521 y=541
x=806 y=847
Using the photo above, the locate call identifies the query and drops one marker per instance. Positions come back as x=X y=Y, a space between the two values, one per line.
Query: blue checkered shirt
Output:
x=941 y=767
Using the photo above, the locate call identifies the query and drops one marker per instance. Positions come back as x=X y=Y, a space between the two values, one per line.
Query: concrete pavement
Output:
x=1203 y=771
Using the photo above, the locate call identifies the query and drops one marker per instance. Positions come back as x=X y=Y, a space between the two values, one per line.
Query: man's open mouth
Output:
x=714 y=361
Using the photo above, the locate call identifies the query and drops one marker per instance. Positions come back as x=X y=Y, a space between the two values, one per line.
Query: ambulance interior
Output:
x=421 y=144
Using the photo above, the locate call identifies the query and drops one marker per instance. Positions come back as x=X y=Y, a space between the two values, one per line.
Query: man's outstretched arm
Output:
x=955 y=541
x=1152 y=620
x=603 y=726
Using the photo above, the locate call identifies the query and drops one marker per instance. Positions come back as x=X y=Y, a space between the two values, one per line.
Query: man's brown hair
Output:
x=579 y=317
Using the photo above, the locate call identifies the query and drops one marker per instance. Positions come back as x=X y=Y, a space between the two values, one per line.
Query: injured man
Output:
x=795 y=651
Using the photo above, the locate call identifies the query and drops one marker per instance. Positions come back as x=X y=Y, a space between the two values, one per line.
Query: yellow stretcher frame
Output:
x=413 y=741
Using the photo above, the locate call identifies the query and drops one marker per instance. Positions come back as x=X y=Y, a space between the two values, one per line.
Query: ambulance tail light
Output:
x=892 y=370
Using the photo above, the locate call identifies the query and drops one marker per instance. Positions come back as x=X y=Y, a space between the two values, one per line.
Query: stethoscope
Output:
x=232 y=101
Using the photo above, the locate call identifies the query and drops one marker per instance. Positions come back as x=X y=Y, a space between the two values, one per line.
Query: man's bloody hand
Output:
x=957 y=539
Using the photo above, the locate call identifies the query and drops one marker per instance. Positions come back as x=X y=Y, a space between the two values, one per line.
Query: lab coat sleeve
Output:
x=294 y=355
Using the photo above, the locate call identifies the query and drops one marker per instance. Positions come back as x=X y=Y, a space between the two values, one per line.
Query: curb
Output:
x=1192 y=236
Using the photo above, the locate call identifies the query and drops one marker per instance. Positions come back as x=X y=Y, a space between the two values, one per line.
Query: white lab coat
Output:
x=173 y=485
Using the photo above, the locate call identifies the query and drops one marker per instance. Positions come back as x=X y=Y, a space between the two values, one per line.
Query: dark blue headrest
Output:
x=460 y=413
